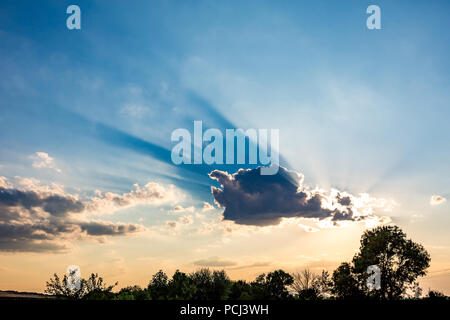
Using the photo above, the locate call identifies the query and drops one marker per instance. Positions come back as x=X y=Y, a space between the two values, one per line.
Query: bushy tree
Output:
x=92 y=288
x=180 y=287
x=209 y=285
x=97 y=289
x=345 y=283
x=400 y=261
x=158 y=286
x=65 y=287
x=240 y=290
x=132 y=293
x=436 y=295
x=221 y=285
x=202 y=280
x=274 y=285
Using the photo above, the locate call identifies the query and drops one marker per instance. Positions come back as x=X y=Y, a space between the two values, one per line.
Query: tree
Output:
x=91 y=288
x=310 y=286
x=94 y=282
x=274 y=285
x=436 y=295
x=210 y=285
x=345 y=284
x=158 y=286
x=202 y=280
x=400 y=261
x=97 y=289
x=132 y=293
x=303 y=280
x=221 y=285
x=240 y=290
x=180 y=287
x=324 y=284
x=65 y=287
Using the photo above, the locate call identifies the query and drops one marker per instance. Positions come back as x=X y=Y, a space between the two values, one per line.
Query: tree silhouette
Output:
x=310 y=286
x=91 y=288
x=97 y=289
x=65 y=287
x=345 y=284
x=274 y=285
x=132 y=293
x=400 y=260
x=240 y=290
x=158 y=286
x=180 y=287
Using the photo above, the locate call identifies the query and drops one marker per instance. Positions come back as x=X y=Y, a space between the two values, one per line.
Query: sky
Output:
x=86 y=118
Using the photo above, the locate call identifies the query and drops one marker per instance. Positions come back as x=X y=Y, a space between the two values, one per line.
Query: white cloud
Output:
x=4 y=182
x=207 y=206
x=152 y=193
x=43 y=160
x=436 y=200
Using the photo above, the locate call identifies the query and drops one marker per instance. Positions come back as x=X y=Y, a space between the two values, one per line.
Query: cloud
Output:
x=101 y=228
x=253 y=265
x=37 y=218
x=253 y=199
x=207 y=206
x=151 y=193
x=4 y=182
x=436 y=200
x=214 y=262
x=56 y=205
x=183 y=220
x=43 y=160
x=179 y=209
x=171 y=224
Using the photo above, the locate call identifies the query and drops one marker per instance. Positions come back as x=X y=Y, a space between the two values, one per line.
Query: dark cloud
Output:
x=101 y=228
x=254 y=199
x=55 y=204
x=345 y=201
x=25 y=246
x=24 y=227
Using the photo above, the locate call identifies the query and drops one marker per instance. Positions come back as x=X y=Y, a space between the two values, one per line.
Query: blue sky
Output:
x=364 y=111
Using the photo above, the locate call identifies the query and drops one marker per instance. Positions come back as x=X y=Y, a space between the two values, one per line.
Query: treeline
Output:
x=205 y=284
x=400 y=260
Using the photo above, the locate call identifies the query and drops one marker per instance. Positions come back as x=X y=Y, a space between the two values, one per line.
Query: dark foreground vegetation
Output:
x=400 y=260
